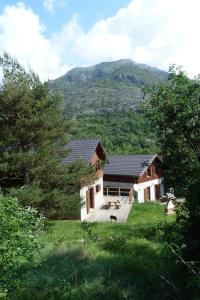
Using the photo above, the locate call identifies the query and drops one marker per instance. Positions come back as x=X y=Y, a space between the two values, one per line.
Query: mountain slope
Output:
x=108 y=86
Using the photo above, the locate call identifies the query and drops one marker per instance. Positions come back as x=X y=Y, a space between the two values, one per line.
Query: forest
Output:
x=120 y=132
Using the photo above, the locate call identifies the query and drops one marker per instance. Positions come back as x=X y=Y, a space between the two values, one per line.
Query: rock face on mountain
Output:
x=108 y=86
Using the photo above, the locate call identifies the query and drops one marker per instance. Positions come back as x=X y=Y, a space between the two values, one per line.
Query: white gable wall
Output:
x=98 y=197
x=139 y=188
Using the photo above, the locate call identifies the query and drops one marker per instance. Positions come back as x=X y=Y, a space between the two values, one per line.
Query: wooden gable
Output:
x=154 y=171
x=98 y=155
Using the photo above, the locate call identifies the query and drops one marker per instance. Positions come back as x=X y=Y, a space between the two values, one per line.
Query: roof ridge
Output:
x=125 y=155
x=82 y=139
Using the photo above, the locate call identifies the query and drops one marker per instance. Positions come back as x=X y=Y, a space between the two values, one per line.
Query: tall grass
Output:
x=110 y=261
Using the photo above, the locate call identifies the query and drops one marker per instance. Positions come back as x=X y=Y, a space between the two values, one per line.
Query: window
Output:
x=98 y=188
x=155 y=171
x=98 y=165
x=149 y=171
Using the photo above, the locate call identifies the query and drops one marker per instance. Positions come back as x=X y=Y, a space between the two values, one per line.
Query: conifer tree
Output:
x=32 y=138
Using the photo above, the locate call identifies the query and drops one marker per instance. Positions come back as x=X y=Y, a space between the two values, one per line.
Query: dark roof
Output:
x=128 y=165
x=81 y=149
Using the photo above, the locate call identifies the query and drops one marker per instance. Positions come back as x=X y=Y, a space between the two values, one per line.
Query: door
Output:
x=90 y=199
x=157 y=191
x=147 y=194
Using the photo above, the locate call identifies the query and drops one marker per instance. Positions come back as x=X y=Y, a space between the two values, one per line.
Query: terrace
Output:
x=118 y=206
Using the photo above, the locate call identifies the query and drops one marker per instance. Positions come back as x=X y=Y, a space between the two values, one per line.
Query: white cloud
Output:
x=149 y=31
x=22 y=36
x=155 y=32
x=49 y=5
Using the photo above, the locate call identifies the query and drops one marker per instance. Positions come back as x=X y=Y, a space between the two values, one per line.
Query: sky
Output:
x=53 y=36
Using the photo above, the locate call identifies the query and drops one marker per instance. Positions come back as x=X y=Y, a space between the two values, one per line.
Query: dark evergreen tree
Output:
x=33 y=133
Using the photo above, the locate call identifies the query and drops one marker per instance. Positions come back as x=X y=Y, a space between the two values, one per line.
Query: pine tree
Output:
x=32 y=139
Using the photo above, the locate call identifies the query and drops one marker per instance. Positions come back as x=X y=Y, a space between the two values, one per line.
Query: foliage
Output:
x=33 y=135
x=120 y=133
x=117 y=264
x=61 y=201
x=193 y=268
x=19 y=228
x=88 y=229
x=174 y=109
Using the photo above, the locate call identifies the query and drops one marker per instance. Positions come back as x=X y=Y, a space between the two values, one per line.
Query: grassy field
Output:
x=104 y=261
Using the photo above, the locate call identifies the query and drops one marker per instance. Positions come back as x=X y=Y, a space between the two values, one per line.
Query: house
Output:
x=92 y=153
x=141 y=175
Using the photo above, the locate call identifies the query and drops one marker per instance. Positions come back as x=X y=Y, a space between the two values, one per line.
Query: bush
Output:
x=19 y=228
x=54 y=204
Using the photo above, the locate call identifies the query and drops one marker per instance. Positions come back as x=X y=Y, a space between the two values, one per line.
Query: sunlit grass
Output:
x=114 y=261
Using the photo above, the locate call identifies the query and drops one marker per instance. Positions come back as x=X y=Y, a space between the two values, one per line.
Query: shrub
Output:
x=19 y=228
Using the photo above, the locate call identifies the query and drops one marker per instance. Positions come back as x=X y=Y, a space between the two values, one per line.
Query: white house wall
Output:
x=139 y=188
x=98 y=197
x=162 y=190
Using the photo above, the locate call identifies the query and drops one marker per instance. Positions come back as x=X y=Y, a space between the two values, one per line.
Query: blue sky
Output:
x=52 y=36
x=88 y=11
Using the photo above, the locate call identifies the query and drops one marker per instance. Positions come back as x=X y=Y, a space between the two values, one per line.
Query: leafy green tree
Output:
x=120 y=132
x=33 y=135
x=174 y=109
x=19 y=231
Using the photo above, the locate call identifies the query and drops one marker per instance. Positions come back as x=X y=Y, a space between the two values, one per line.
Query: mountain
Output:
x=105 y=87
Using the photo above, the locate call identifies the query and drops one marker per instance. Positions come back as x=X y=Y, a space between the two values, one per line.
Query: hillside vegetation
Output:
x=120 y=132
x=105 y=87
x=105 y=100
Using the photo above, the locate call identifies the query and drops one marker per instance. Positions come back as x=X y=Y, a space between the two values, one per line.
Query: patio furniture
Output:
x=115 y=203
x=119 y=203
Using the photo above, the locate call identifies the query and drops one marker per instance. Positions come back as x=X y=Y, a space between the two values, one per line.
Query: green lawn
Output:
x=104 y=260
